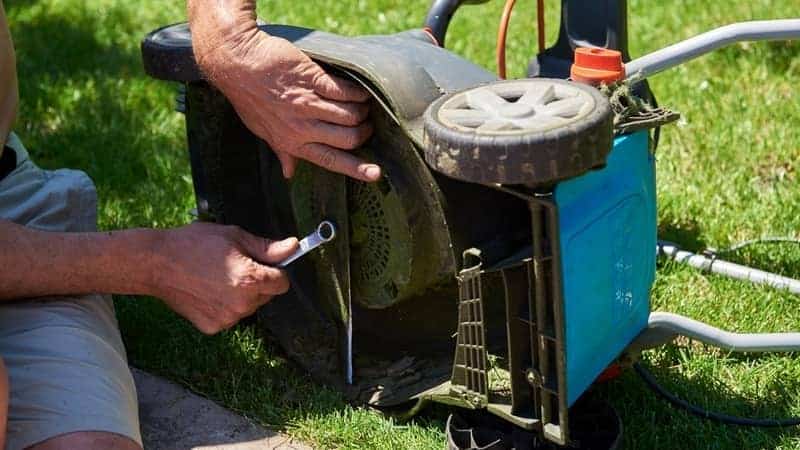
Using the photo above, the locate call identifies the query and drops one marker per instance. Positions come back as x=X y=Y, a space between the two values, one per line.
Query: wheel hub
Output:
x=535 y=131
x=516 y=111
x=519 y=107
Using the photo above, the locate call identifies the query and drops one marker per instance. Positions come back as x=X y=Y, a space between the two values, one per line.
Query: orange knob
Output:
x=597 y=66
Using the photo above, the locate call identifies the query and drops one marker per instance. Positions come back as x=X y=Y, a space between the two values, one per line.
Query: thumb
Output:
x=288 y=163
x=339 y=89
x=267 y=251
x=280 y=250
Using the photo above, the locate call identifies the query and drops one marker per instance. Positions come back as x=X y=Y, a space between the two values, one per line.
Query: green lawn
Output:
x=727 y=171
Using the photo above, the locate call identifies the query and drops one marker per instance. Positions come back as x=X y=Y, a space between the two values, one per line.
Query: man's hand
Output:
x=212 y=275
x=216 y=275
x=280 y=93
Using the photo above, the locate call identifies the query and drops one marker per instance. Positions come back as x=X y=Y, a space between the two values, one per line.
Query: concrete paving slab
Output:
x=173 y=418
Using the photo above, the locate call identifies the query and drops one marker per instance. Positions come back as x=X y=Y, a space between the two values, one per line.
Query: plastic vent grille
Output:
x=369 y=220
x=548 y=353
x=470 y=378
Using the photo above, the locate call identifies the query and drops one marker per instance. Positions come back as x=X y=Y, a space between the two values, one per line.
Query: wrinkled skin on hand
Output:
x=216 y=275
x=291 y=102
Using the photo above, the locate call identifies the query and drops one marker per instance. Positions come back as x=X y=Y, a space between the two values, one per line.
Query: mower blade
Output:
x=331 y=193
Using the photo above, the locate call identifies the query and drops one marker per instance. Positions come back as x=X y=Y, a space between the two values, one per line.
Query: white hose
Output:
x=729 y=269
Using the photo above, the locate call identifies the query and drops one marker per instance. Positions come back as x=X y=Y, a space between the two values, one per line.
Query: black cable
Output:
x=656 y=130
x=751 y=242
x=678 y=402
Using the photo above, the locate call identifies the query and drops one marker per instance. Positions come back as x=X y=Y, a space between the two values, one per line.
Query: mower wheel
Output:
x=593 y=424
x=534 y=132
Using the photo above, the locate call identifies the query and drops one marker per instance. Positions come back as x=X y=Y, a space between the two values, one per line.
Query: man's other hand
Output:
x=290 y=101
x=216 y=275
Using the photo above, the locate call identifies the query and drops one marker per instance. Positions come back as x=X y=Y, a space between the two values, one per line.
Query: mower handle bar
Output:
x=439 y=15
x=666 y=58
x=662 y=327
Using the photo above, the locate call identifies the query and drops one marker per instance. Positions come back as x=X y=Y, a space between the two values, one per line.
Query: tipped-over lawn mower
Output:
x=505 y=259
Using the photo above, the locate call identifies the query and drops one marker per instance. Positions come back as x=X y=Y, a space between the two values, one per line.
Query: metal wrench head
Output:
x=325 y=232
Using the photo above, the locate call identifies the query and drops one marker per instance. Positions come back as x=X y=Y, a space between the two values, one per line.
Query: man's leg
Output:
x=69 y=377
x=71 y=441
x=88 y=441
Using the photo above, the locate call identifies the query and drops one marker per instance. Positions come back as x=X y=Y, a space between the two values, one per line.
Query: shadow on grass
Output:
x=243 y=371
x=235 y=367
x=87 y=104
x=686 y=233
x=238 y=368
x=781 y=55
x=66 y=47
x=781 y=258
x=706 y=391
x=651 y=422
x=777 y=257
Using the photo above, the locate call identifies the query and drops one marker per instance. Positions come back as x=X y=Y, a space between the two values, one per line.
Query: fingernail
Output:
x=372 y=172
x=288 y=243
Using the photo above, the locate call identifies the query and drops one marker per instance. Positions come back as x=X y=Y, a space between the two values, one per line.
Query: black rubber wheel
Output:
x=534 y=131
x=593 y=423
x=167 y=54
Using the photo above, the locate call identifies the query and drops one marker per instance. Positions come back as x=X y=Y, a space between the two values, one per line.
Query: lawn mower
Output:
x=505 y=259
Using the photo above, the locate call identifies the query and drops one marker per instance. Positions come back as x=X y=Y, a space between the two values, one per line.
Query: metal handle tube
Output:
x=737 y=342
x=666 y=58
x=440 y=13
x=729 y=269
x=438 y=18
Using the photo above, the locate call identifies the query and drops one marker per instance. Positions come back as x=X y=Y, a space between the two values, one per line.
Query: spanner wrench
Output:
x=325 y=232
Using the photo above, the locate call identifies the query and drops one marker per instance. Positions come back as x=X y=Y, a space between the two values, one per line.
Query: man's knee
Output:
x=87 y=440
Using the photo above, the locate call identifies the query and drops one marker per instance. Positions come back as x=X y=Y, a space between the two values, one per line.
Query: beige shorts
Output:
x=65 y=357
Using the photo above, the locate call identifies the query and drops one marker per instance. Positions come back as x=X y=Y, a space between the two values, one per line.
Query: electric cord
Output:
x=695 y=410
x=657 y=130
x=502 y=33
x=751 y=242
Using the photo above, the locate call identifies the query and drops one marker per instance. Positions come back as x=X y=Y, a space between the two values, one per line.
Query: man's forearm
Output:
x=37 y=263
x=222 y=30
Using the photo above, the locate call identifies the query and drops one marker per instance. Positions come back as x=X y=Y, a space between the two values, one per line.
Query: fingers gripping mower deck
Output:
x=506 y=257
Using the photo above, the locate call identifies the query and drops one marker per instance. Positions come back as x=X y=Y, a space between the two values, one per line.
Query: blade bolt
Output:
x=534 y=378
